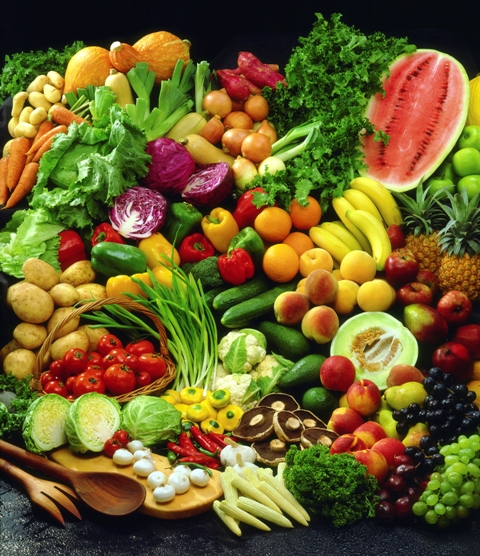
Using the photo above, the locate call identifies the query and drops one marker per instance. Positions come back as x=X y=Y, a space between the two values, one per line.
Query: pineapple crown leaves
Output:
x=461 y=234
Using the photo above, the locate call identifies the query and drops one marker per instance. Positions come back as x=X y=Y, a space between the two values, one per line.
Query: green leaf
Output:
x=236 y=357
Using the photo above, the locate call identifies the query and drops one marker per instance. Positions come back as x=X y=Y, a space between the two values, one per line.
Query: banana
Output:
x=382 y=197
x=331 y=243
x=340 y=206
x=338 y=228
x=362 y=201
x=375 y=232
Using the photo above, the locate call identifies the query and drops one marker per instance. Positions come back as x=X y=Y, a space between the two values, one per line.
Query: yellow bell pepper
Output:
x=211 y=425
x=219 y=227
x=158 y=250
x=116 y=286
x=229 y=416
x=190 y=395
x=197 y=412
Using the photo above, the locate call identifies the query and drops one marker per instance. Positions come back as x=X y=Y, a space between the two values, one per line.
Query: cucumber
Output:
x=243 y=313
x=305 y=372
x=232 y=296
x=286 y=341
x=210 y=295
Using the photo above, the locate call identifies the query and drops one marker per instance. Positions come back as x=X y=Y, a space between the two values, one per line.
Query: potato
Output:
x=77 y=339
x=11 y=289
x=91 y=291
x=31 y=304
x=40 y=273
x=64 y=295
x=94 y=334
x=20 y=363
x=78 y=273
x=12 y=345
x=30 y=336
x=57 y=316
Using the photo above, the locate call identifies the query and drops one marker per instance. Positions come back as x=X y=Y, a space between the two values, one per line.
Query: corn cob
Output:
x=234 y=511
x=262 y=511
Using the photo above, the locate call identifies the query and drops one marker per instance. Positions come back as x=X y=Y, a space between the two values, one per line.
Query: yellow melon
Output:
x=473 y=117
x=89 y=66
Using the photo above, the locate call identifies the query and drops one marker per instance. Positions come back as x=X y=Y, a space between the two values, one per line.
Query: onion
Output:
x=232 y=140
x=256 y=147
x=244 y=171
x=267 y=129
x=270 y=165
x=217 y=103
x=256 y=107
x=238 y=118
x=213 y=130
x=209 y=185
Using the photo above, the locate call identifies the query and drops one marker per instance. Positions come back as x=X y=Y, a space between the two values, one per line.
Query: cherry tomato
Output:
x=107 y=343
x=94 y=358
x=119 y=379
x=153 y=363
x=85 y=383
x=132 y=361
x=57 y=368
x=74 y=361
x=122 y=436
x=95 y=370
x=142 y=346
x=111 y=446
x=116 y=355
x=56 y=387
x=70 y=382
x=47 y=376
x=142 y=378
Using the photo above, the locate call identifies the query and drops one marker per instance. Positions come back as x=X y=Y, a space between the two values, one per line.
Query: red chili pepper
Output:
x=194 y=248
x=246 y=211
x=203 y=440
x=181 y=451
x=219 y=439
x=212 y=463
x=185 y=442
x=105 y=232
x=71 y=249
x=236 y=266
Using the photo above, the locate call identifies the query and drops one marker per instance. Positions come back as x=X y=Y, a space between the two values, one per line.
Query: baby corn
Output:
x=262 y=511
x=234 y=511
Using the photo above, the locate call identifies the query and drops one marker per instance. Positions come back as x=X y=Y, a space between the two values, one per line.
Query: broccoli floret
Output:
x=206 y=271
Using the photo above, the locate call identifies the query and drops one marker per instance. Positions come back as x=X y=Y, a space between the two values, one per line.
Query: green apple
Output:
x=471 y=184
x=466 y=161
x=470 y=137
x=443 y=179
x=438 y=186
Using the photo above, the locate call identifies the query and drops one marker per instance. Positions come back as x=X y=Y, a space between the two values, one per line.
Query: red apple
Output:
x=401 y=267
x=430 y=279
x=455 y=359
x=414 y=292
x=337 y=373
x=469 y=336
x=456 y=307
x=426 y=323
x=396 y=235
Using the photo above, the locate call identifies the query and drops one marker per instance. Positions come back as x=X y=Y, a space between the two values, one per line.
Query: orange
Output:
x=299 y=241
x=280 y=263
x=304 y=217
x=273 y=224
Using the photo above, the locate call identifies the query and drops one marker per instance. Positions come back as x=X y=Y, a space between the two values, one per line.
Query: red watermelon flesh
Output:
x=423 y=111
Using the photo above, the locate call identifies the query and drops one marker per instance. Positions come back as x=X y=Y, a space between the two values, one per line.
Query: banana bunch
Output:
x=364 y=211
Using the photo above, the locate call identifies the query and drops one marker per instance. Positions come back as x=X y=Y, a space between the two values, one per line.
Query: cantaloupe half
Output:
x=424 y=111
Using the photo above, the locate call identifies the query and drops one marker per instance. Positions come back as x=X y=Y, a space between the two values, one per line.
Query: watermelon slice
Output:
x=423 y=112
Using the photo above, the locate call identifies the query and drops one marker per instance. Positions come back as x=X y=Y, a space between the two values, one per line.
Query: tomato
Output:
x=119 y=379
x=116 y=355
x=111 y=446
x=57 y=368
x=142 y=379
x=70 y=382
x=94 y=358
x=47 y=376
x=85 y=383
x=107 y=343
x=56 y=387
x=137 y=348
x=74 y=361
x=153 y=363
x=132 y=361
x=122 y=436
x=95 y=370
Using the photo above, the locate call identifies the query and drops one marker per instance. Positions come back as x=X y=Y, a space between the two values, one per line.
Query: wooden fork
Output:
x=46 y=494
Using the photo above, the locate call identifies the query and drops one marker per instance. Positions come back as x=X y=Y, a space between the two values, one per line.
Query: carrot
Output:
x=43 y=128
x=43 y=149
x=4 y=191
x=18 y=159
x=62 y=115
x=45 y=137
x=25 y=184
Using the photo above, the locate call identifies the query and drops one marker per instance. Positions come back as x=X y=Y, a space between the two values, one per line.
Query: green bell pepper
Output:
x=249 y=239
x=182 y=219
x=113 y=259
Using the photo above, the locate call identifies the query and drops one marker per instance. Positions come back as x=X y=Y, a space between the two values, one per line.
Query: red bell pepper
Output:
x=71 y=249
x=246 y=211
x=236 y=266
x=194 y=248
x=105 y=232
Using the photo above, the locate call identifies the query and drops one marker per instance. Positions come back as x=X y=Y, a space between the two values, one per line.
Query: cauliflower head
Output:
x=237 y=384
x=265 y=367
x=240 y=351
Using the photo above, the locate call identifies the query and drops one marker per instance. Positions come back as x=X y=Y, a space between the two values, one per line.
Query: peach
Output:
x=301 y=285
x=347 y=443
x=342 y=401
x=337 y=373
x=290 y=307
x=370 y=432
x=364 y=396
x=389 y=447
x=346 y=299
x=375 y=295
x=401 y=373
x=321 y=287
x=315 y=258
x=358 y=266
x=375 y=463
x=344 y=420
x=320 y=324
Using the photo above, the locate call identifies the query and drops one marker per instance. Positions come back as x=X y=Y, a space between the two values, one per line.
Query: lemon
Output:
x=473 y=117
x=320 y=401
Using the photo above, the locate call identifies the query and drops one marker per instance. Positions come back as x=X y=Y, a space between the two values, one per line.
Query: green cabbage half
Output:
x=93 y=418
x=151 y=420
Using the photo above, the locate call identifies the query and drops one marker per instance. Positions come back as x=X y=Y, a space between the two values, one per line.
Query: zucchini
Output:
x=285 y=340
x=232 y=296
x=243 y=313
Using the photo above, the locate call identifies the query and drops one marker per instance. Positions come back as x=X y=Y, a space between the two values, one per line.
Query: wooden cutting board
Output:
x=195 y=501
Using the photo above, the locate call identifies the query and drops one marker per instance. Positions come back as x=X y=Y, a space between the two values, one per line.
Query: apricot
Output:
x=358 y=266
x=346 y=299
x=375 y=295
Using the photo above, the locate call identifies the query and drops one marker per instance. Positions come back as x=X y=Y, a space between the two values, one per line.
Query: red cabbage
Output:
x=209 y=185
x=171 y=166
x=138 y=212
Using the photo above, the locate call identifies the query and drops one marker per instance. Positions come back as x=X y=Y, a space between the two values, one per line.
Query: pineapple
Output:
x=423 y=218
x=459 y=241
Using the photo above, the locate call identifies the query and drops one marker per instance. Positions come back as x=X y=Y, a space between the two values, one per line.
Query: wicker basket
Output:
x=155 y=388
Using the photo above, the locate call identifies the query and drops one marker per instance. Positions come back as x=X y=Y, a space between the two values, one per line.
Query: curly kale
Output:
x=20 y=396
x=332 y=486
